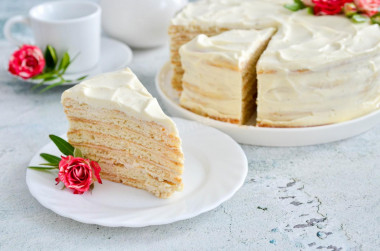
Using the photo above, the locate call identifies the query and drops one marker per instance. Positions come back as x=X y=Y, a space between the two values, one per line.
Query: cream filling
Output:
x=122 y=91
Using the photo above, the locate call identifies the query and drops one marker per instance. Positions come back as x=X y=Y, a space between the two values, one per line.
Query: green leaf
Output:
x=293 y=6
x=44 y=75
x=357 y=18
x=65 y=62
x=52 y=85
x=375 y=19
x=81 y=78
x=50 y=165
x=300 y=3
x=65 y=147
x=78 y=153
x=41 y=168
x=38 y=85
x=50 y=57
x=297 y=5
x=47 y=79
x=310 y=10
x=50 y=158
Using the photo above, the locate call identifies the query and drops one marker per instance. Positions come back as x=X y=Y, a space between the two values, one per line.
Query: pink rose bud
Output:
x=27 y=62
x=349 y=9
x=78 y=173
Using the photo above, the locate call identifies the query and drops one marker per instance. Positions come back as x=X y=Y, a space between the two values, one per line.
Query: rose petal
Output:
x=95 y=166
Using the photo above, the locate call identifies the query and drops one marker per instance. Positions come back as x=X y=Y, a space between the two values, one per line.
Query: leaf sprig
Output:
x=53 y=161
x=54 y=70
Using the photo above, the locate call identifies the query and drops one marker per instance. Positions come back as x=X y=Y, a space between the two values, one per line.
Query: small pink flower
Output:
x=368 y=7
x=27 y=62
x=77 y=173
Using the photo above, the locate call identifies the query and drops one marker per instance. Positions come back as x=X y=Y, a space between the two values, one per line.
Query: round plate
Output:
x=114 y=55
x=215 y=168
x=252 y=135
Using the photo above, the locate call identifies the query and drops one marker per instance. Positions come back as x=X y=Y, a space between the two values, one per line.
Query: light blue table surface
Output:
x=316 y=197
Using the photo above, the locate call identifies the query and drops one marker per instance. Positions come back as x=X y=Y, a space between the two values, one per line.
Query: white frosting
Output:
x=120 y=90
x=318 y=42
x=233 y=47
x=319 y=70
x=233 y=14
x=213 y=69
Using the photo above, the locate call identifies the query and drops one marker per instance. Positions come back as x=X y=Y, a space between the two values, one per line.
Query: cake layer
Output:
x=219 y=79
x=121 y=157
x=139 y=179
x=83 y=137
x=92 y=128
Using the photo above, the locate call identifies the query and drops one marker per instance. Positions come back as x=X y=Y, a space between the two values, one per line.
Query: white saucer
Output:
x=114 y=55
x=215 y=168
x=249 y=134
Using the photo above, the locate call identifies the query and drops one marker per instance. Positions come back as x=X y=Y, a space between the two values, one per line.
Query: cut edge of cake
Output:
x=214 y=66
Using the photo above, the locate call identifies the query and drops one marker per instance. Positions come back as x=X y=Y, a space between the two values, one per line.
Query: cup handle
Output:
x=8 y=28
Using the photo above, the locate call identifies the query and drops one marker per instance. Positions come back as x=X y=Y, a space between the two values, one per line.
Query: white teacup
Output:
x=140 y=24
x=69 y=26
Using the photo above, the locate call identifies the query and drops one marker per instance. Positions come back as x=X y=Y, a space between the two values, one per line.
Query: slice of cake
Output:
x=115 y=121
x=220 y=74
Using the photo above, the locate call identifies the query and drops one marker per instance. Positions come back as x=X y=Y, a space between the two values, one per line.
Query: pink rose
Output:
x=77 y=173
x=27 y=62
x=368 y=7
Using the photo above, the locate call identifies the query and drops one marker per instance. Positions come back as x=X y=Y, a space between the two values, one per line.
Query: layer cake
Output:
x=316 y=70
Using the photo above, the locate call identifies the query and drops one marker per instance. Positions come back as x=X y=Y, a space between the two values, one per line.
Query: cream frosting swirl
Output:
x=233 y=14
x=120 y=90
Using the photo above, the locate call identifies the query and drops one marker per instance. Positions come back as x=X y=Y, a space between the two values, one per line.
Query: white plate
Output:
x=114 y=55
x=249 y=134
x=215 y=168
